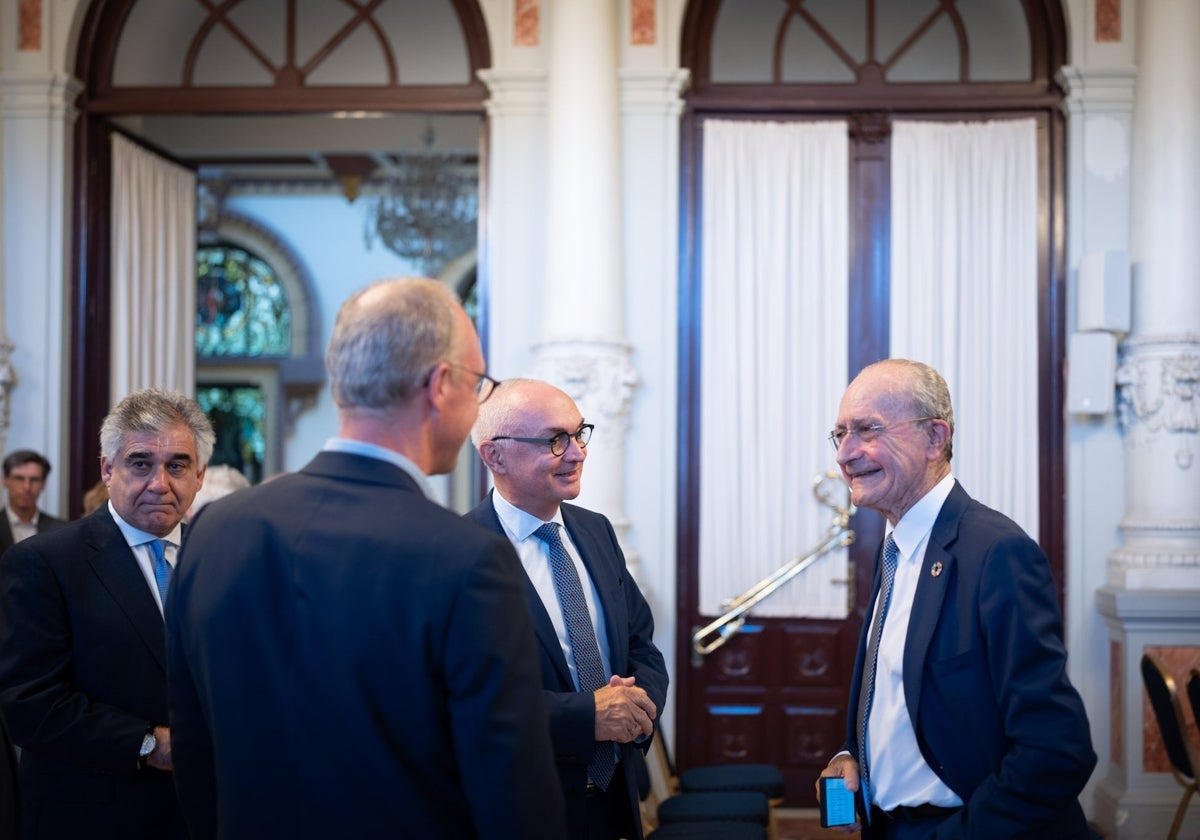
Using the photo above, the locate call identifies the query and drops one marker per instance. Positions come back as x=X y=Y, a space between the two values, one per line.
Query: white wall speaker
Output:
x=1104 y=291
x=1091 y=372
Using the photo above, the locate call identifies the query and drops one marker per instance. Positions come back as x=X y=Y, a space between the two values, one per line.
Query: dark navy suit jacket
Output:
x=985 y=681
x=631 y=650
x=349 y=659
x=82 y=677
x=46 y=522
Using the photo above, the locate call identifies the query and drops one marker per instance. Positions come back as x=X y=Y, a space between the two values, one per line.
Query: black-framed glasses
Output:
x=484 y=387
x=867 y=432
x=558 y=443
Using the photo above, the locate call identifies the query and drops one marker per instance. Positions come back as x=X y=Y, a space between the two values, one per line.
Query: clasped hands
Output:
x=624 y=712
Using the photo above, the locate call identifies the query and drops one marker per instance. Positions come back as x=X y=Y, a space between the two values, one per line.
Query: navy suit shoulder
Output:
x=336 y=628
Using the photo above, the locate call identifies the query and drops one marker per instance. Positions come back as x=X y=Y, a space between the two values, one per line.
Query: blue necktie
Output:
x=582 y=637
x=162 y=569
x=891 y=556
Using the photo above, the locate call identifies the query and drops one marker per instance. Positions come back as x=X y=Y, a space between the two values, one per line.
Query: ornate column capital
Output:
x=1158 y=394
x=598 y=375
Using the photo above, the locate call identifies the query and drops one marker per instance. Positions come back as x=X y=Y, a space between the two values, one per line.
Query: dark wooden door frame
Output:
x=870 y=111
x=91 y=286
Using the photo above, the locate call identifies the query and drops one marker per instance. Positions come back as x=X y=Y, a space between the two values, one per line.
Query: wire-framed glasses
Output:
x=558 y=443
x=867 y=432
x=484 y=387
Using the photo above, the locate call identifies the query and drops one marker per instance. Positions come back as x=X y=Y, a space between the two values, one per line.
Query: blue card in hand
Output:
x=837 y=803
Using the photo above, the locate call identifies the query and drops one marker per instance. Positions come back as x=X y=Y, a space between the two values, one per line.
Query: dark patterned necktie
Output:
x=582 y=637
x=891 y=556
x=162 y=570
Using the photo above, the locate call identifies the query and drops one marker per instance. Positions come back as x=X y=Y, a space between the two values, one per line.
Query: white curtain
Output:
x=153 y=272
x=774 y=277
x=964 y=286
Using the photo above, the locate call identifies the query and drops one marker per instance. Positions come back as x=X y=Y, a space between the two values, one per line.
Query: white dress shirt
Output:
x=899 y=773
x=535 y=557
x=139 y=543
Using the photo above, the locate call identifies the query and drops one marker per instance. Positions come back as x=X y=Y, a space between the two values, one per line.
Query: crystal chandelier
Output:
x=427 y=208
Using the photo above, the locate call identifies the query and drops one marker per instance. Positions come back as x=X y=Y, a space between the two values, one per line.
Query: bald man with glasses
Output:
x=604 y=680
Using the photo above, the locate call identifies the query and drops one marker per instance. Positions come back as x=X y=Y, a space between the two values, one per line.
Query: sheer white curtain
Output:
x=153 y=272
x=773 y=356
x=964 y=293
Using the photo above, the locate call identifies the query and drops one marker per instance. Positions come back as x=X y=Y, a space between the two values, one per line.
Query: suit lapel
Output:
x=931 y=594
x=113 y=564
x=543 y=627
x=594 y=555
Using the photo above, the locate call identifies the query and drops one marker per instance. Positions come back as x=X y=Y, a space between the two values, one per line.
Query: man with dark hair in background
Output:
x=25 y=474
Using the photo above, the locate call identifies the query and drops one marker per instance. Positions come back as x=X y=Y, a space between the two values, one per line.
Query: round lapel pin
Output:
x=936 y=568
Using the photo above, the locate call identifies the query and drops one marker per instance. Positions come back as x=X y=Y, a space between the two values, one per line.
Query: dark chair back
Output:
x=1165 y=701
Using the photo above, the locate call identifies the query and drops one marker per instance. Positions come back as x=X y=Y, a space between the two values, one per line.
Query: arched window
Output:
x=257 y=363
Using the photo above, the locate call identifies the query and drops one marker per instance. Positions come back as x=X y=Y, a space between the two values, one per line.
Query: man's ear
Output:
x=435 y=385
x=492 y=456
x=939 y=434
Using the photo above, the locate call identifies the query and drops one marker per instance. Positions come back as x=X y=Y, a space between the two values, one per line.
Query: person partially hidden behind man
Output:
x=83 y=670
x=347 y=658
x=603 y=677
x=971 y=729
x=25 y=474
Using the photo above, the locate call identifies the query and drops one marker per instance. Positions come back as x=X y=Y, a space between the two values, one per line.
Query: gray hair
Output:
x=386 y=340
x=219 y=480
x=155 y=410
x=499 y=413
x=927 y=390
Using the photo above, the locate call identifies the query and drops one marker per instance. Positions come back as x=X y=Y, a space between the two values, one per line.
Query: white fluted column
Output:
x=1159 y=375
x=584 y=349
x=37 y=115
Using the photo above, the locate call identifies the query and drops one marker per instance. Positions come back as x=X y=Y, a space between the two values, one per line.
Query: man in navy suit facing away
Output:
x=347 y=658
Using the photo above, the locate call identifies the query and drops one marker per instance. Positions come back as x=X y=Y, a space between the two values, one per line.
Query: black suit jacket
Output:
x=82 y=678
x=631 y=648
x=985 y=680
x=348 y=658
x=46 y=522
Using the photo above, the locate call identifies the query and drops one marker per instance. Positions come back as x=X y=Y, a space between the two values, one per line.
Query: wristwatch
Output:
x=149 y=742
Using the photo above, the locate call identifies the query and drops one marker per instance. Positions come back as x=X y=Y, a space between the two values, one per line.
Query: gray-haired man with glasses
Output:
x=962 y=721
x=603 y=679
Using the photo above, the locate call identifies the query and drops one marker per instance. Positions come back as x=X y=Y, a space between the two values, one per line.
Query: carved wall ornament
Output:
x=597 y=375
x=1161 y=395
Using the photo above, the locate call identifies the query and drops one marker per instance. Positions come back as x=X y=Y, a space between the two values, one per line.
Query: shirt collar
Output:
x=518 y=524
x=915 y=525
x=374 y=450
x=136 y=536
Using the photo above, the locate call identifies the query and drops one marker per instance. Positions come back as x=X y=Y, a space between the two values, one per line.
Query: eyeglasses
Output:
x=867 y=432
x=559 y=443
x=484 y=387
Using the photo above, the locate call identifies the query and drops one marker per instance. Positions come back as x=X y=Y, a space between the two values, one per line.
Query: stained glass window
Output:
x=241 y=307
x=237 y=413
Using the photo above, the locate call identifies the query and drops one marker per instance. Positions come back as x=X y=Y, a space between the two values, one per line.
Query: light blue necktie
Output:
x=582 y=637
x=891 y=557
x=162 y=569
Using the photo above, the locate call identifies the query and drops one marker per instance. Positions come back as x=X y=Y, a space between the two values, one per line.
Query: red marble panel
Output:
x=526 y=23
x=1108 y=20
x=29 y=25
x=642 y=23
x=1116 y=693
x=1178 y=663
